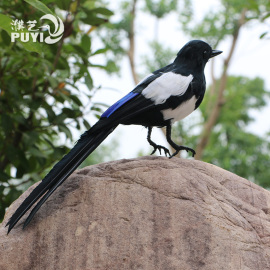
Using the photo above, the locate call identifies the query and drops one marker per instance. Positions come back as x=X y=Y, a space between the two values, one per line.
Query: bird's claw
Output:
x=159 y=148
x=183 y=148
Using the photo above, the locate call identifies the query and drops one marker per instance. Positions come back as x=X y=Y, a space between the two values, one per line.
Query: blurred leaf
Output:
x=86 y=124
x=103 y=11
x=6 y=38
x=36 y=152
x=4 y=177
x=5 y=23
x=66 y=130
x=91 y=18
x=40 y=6
x=76 y=100
x=263 y=34
x=86 y=43
x=267 y=15
x=6 y=123
x=88 y=80
x=99 y=51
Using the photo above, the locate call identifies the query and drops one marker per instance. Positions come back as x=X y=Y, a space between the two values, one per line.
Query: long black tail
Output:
x=88 y=142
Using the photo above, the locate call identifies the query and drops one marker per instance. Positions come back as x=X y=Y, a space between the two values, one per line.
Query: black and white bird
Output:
x=165 y=96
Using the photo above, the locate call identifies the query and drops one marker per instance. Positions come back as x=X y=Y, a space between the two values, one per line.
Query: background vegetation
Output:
x=42 y=100
x=40 y=95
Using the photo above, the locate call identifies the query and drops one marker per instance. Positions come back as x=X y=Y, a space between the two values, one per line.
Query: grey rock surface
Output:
x=148 y=213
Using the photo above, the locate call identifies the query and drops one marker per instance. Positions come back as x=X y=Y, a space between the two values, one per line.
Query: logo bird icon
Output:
x=58 y=29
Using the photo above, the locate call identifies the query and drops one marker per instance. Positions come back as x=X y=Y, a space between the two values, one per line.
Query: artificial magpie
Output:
x=167 y=95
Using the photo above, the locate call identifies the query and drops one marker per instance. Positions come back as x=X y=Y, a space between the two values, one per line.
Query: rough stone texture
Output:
x=146 y=213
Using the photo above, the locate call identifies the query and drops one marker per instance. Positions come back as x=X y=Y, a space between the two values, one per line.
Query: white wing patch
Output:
x=180 y=112
x=168 y=84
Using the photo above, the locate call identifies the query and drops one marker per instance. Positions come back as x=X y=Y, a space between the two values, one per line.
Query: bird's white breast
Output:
x=167 y=85
x=180 y=112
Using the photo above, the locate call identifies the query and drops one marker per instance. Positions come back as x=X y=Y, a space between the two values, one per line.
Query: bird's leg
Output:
x=156 y=146
x=174 y=145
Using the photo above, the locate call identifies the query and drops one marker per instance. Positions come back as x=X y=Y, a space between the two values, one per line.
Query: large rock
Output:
x=145 y=213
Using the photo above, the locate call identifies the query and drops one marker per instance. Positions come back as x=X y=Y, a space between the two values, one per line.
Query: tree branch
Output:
x=131 y=37
x=219 y=102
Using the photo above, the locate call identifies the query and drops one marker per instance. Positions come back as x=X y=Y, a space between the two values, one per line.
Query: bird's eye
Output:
x=205 y=54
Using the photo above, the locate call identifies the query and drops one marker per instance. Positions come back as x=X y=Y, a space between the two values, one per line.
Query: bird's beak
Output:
x=215 y=53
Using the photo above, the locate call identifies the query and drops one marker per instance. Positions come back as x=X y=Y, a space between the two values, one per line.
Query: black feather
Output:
x=88 y=142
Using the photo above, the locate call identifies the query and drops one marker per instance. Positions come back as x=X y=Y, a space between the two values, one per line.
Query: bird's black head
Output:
x=195 y=54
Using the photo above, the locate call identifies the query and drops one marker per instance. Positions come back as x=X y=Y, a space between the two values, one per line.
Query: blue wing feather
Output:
x=118 y=104
x=136 y=91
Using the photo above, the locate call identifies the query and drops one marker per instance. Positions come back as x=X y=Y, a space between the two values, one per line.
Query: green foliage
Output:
x=40 y=6
x=5 y=24
x=39 y=88
x=116 y=33
x=161 y=57
x=219 y=24
x=231 y=145
x=161 y=8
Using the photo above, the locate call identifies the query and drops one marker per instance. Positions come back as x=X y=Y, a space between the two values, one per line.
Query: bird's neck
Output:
x=194 y=66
